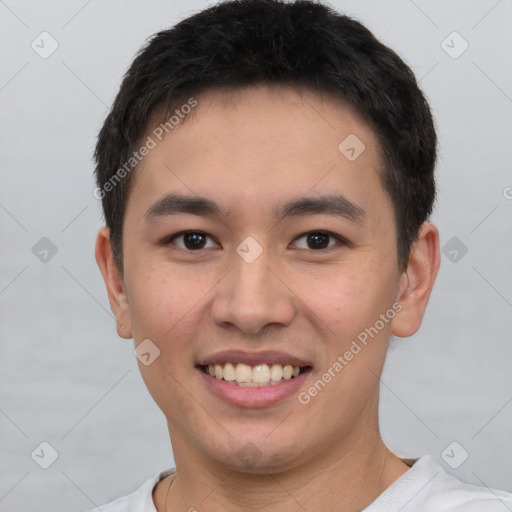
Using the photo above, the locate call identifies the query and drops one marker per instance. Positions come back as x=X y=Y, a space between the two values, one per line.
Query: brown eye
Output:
x=318 y=240
x=191 y=240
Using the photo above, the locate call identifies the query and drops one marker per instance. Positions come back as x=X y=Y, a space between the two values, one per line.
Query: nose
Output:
x=253 y=296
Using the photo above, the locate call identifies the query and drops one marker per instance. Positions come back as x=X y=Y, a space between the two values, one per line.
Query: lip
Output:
x=253 y=397
x=253 y=358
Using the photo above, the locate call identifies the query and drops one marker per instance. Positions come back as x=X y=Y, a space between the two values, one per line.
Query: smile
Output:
x=259 y=375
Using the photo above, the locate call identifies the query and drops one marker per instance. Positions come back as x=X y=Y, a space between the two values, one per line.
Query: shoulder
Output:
x=140 y=500
x=427 y=487
x=450 y=494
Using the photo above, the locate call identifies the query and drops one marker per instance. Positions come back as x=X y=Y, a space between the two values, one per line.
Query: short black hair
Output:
x=303 y=44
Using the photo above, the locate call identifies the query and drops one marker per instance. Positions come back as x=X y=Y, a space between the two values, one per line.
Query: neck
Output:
x=346 y=480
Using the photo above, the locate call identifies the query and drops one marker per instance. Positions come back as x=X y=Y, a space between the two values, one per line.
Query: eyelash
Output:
x=341 y=241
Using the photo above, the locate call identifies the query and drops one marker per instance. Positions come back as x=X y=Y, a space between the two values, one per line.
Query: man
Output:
x=267 y=175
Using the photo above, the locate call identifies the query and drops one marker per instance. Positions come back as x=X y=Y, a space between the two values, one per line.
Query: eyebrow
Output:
x=332 y=204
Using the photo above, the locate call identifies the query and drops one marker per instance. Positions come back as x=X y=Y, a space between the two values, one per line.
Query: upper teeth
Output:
x=245 y=375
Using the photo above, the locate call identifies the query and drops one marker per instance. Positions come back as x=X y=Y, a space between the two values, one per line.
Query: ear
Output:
x=417 y=281
x=114 y=283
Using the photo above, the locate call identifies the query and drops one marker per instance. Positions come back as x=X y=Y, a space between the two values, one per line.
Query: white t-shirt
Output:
x=426 y=487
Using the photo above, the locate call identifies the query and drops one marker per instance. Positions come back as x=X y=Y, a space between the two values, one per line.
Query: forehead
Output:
x=260 y=144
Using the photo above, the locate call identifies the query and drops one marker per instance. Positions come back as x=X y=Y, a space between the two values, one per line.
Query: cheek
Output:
x=164 y=309
x=348 y=300
x=168 y=388
x=161 y=301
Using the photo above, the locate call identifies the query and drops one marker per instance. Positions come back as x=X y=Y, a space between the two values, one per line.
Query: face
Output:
x=252 y=242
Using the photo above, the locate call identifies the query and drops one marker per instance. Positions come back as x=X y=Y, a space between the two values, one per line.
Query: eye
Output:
x=318 y=240
x=190 y=240
x=197 y=240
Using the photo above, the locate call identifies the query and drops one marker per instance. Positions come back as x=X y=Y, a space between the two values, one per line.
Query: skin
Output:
x=250 y=151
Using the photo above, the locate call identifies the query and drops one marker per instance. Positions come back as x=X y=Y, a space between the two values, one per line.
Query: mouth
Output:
x=257 y=375
x=253 y=380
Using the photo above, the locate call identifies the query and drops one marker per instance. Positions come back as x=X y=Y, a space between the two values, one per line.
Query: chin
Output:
x=253 y=454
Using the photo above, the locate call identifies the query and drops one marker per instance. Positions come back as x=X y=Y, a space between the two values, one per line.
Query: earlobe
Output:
x=114 y=283
x=417 y=281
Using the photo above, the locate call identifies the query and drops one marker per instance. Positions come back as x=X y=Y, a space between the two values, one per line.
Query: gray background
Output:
x=67 y=379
